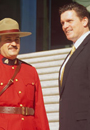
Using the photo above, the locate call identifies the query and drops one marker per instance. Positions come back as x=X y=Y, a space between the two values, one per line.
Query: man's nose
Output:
x=13 y=43
x=65 y=25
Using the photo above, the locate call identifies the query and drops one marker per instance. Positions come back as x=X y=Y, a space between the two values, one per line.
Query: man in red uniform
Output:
x=21 y=103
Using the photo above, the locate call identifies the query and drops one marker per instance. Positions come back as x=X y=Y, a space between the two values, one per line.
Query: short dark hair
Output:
x=80 y=10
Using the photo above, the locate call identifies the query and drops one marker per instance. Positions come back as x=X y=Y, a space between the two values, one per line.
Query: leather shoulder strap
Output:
x=11 y=80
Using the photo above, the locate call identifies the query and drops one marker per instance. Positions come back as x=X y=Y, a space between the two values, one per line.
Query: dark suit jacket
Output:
x=75 y=90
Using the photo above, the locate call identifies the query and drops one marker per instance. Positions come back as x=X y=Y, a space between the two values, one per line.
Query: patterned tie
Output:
x=72 y=51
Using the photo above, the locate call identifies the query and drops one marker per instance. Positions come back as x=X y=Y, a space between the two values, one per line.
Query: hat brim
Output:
x=21 y=34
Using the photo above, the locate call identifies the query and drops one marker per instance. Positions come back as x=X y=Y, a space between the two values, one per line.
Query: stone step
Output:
x=50 y=91
x=48 y=64
x=44 y=53
x=51 y=76
x=51 y=99
x=51 y=109
x=45 y=58
x=48 y=70
x=50 y=83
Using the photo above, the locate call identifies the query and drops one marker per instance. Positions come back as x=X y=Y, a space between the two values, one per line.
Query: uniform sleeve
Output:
x=40 y=112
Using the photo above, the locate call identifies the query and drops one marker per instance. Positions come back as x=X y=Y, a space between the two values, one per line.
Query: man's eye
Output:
x=17 y=40
x=8 y=40
x=70 y=21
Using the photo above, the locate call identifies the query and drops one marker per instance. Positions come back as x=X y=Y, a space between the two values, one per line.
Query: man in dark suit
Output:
x=75 y=84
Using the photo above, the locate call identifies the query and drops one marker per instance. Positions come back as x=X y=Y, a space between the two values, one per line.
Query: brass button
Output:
x=13 y=68
x=1 y=83
x=21 y=105
x=32 y=83
x=20 y=92
x=22 y=119
x=16 y=80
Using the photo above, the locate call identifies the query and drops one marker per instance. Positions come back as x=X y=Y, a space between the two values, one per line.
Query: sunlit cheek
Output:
x=18 y=48
x=62 y=28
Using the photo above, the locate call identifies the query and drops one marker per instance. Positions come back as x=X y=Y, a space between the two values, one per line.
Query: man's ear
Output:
x=85 y=21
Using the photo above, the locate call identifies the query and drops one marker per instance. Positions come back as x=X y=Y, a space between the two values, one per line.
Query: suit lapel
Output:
x=60 y=87
x=71 y=61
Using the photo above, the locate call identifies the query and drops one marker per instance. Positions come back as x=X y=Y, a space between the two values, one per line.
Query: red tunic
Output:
x=25 y=91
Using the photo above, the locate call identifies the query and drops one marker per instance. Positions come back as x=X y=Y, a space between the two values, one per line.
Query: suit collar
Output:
x=81 y=39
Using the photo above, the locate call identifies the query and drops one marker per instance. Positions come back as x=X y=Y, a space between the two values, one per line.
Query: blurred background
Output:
x=41 y=17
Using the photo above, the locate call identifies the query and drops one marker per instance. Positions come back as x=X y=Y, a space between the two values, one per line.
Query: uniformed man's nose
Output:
x=13 y=43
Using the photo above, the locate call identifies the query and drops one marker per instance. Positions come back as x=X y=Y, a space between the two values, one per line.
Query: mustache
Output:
x=13 y=47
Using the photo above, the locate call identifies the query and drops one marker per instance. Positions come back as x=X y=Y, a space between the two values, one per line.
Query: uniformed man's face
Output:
x=10 y=45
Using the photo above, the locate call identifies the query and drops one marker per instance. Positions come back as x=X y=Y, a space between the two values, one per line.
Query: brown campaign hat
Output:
x=10 y=26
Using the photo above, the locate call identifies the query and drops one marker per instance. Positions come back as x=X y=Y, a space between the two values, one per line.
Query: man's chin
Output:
x=13 y=52
x=69 y=38
x=13 y=56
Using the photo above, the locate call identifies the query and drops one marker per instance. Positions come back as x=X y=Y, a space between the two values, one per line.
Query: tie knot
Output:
x=72 y=50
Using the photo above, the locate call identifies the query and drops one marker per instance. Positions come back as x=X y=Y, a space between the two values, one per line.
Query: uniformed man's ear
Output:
x=85 y=21
x=0 y=49
x=0 y=44
x=0 y=38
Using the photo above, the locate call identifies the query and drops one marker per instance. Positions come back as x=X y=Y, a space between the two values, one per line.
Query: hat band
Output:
x=8 y=31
